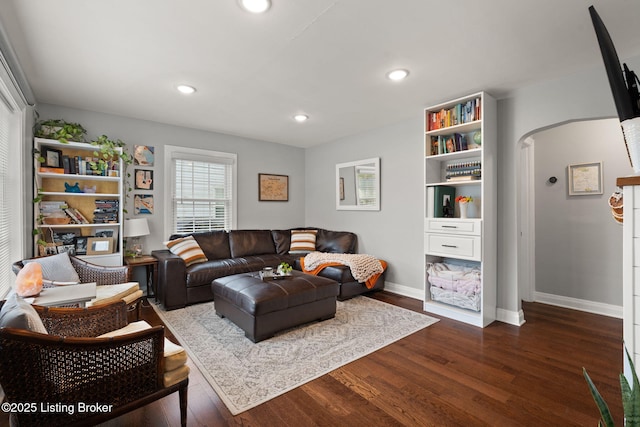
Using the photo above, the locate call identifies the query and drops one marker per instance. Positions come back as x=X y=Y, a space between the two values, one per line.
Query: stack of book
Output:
x=464 y=171
x=106 y=211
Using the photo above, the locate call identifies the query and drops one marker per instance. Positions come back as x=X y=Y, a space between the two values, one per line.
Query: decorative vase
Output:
x=463 y=209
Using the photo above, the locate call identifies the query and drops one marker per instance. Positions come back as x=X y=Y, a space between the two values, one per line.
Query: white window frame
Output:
x=173 y=152
x=13 y=179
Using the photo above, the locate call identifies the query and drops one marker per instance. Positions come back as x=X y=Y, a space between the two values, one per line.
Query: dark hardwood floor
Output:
x=449 y=374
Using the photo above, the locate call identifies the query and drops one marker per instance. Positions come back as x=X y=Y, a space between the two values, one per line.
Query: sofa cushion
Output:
x=214 y=244
x=339 y=242
x=205 y=273
x=56 y=268
x=282 y=240
x=188 y=249
x=250 y=242
x=303 y=241
x=17 y=313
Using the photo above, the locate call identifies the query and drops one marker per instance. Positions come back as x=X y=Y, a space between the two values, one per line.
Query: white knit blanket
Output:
x=362 y=266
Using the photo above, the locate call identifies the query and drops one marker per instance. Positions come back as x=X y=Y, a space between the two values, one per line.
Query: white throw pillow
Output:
x=56 y=268
x=303 y=241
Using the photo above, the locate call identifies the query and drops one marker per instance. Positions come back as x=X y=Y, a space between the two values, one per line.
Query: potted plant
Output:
x=630 y=399
x=59 y=129
x=108 y=150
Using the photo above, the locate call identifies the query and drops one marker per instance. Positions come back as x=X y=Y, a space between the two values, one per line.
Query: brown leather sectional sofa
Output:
x=243 y=251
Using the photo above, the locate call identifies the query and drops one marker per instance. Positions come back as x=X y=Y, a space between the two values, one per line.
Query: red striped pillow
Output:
x=303 y=241
x=188 y=249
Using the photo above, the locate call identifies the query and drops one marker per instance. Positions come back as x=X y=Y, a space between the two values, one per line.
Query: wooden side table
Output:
x=151 y=265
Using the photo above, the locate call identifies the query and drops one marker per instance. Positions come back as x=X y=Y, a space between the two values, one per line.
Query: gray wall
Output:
x=254 y=157
x=583 y=95
x=578 y=244
x=395 y=233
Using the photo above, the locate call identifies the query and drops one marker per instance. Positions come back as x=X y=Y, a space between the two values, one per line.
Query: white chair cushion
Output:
x=175 y=356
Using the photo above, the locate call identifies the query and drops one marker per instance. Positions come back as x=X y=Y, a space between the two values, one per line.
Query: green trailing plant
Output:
x=108 y=150
x=630 y=399
x=59 y=129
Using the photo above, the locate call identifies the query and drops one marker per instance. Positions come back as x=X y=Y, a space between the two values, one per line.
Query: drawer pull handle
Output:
x=449 y=246
x=449 y=226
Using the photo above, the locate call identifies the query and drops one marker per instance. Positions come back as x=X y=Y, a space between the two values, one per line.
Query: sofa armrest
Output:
x=171 y=283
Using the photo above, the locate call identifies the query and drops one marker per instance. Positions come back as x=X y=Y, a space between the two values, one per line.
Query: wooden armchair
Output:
x=72 y=367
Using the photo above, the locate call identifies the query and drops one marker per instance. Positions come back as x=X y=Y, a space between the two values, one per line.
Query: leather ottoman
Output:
x=262 y=308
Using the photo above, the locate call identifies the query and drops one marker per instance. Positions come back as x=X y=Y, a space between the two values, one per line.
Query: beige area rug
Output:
x=245 y=374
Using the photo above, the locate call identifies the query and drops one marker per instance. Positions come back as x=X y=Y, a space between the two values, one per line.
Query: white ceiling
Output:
x=327 y=58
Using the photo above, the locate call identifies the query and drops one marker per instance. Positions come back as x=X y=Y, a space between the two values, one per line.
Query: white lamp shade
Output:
x=134 y=227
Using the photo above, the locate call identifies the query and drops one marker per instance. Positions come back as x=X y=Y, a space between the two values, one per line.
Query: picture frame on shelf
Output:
x=70 y=249
x=273 y=188
x=48 y=249
x=585 y=179
x=99 y=245
x=81 y=245
x=52 y=157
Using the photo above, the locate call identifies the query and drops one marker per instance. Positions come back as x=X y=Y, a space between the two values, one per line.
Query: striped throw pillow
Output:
x=303 y=241
x=188 y=249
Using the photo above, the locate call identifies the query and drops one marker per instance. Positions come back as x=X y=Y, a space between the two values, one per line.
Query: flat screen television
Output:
x=625 y=98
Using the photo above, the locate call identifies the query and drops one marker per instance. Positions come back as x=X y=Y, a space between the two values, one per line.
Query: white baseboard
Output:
x=511 y=317
x=405 y=291
x=579 y=304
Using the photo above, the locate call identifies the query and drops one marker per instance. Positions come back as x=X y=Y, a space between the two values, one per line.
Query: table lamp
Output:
x=135 y=228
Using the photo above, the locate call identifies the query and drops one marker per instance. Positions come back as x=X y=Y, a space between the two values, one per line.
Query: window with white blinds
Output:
x=203 y=193
x=12 y=220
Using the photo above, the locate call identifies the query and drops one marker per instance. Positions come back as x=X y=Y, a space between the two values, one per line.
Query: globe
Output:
x=477 y=138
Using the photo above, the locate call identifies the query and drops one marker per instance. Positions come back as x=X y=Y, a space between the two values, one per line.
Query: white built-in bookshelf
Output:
x=460 y=252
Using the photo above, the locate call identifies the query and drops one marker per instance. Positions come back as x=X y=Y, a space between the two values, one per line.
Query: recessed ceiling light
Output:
x=301 y=118
x=397 y=74
x=186 y=89
x=255 y=6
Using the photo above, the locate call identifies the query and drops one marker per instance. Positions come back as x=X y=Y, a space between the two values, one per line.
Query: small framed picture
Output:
x=585 y=179
x=273 y=188
x=81 y=245
x=48 y=249
x=70 y=249
x=52 y=158
x=143 y=155
x=144 y=179
x=143 y=204
x=99 y=245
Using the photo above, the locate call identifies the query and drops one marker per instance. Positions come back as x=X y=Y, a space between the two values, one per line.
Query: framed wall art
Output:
x=143 y=204
x=273 y=188
x=143 y=155
x=585 y=179
x=143 y=179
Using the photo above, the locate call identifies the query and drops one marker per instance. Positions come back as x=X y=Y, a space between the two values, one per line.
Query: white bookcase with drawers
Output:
x=461 y=156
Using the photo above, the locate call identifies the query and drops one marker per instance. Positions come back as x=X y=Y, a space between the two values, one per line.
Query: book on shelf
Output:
x=443 y=200
x=463 y=178
x=46 y=169
x=430 y=202
x=467 y=112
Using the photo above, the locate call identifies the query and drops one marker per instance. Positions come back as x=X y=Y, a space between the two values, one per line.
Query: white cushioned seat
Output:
x=175 y=356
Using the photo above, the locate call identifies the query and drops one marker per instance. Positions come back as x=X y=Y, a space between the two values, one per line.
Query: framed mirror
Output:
x=358 y=185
